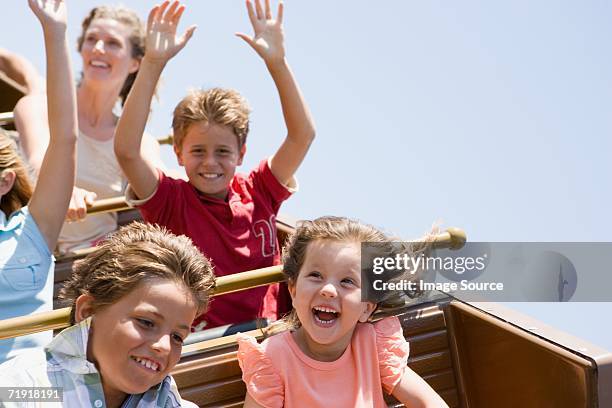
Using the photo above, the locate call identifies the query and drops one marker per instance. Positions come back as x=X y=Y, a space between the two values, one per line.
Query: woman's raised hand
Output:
x=268 y=38
x=162 y=41
x=50 y=13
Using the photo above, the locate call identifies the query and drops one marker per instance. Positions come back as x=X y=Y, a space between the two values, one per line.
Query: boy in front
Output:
x=230 y=217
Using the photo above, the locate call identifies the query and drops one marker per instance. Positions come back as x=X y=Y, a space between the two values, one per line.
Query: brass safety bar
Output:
x=6 y=117
x=105 y=205
x=168 y=140
x=453 y=238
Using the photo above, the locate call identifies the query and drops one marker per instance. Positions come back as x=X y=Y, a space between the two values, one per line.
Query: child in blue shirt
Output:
x=30 y=220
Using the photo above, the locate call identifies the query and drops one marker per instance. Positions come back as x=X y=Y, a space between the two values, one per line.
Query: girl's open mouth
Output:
x=324 y=316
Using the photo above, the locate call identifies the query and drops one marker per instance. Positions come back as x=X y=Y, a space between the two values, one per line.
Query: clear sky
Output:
x=491 y=116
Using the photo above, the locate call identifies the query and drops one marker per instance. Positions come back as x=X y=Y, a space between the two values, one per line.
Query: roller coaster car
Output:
x=475 y=355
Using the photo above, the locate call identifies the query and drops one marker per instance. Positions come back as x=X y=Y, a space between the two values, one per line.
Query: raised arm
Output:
x=414 y=392
x=162 y=44
x=32 y=123
x=268 y=42
x=33 y=126
x=52 y=193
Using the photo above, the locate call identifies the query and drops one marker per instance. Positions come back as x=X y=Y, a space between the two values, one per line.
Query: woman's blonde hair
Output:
x=20 y=194
x=133 y=255
x=137 y=36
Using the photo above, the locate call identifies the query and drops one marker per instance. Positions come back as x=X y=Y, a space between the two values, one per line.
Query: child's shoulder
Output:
x=254 y=175
x=389 y=333
x=392 y=351
x=386 y=336
x=21 y=223
x=389 y=327
x=270 y=346
x=258 y=371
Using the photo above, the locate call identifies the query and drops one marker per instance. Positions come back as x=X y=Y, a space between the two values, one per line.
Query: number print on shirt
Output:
x=265 y=230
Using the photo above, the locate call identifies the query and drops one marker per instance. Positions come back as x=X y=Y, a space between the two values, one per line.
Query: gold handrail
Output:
x=452 y=238
x=58 y=319
x=105 y=205
x=168 y=140
x=6 y=117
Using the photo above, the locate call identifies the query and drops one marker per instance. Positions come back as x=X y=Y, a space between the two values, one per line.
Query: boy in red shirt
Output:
x=230 y=217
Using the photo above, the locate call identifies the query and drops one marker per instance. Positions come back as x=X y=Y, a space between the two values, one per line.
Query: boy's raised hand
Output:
x=162 y=43
x=268 y=39
x=50 y=13
x=268 y=42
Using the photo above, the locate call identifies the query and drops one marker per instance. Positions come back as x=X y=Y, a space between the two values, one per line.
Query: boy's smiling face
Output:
x=136 y=341
x=210 y=155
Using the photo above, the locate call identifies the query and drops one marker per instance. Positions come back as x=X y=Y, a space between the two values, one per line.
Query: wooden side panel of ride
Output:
x=505 y=359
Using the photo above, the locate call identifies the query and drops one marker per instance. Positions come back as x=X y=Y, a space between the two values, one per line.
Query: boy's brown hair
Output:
x=216 y=106
x=133 y=255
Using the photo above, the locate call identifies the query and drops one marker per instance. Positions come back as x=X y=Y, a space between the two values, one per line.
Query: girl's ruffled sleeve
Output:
x=263 y=383
x=392 y=350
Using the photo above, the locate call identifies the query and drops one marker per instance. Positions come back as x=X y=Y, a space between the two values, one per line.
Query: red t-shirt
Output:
x=237 y=235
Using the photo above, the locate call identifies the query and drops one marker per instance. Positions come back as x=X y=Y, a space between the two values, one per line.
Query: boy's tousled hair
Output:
x=20 y=194
x=133 y=255
x=214 y=106
x=133 y=23
x=329 y=228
